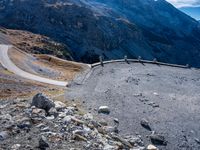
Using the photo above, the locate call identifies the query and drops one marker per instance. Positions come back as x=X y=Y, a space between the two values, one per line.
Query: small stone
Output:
x=67 y=119
x=103 y=122
x=43 y=144
x=79 y=137
x=88 y=116
x=41 y=125
x=109 y=147
x=50 y=117
x=38 y=112
x=4 y=135
x=135 y=140
x=45 y=129
x=120 y=139
x=53 y=112
x=116 y=121
x=151 y=147
x=42 y=102
x=16 y=147
x=59 y=105
x=145 y=124
x=24 y=125
x=197 y=140
x=78 y=121
x=79 y=132
x=158 y=139
x=110 y=129
x=104 y=110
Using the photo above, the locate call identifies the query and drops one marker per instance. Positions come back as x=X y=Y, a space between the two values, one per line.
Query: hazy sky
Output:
x=185 y=3
x=190 y=7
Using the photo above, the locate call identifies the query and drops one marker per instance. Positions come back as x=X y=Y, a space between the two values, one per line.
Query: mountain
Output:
x=114 y=28
x=192 y=11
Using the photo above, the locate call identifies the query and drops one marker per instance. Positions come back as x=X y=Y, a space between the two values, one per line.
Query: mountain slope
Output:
x=192 y=11
x=111 y=28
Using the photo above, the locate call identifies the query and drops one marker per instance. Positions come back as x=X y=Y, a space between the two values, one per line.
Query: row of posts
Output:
x=126 y=60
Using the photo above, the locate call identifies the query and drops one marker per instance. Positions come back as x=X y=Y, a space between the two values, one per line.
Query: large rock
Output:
x=43 y=102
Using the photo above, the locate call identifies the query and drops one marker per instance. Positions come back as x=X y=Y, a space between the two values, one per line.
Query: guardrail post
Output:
x=155 y=60
x=126 y=59
x=101 y=60
x=139 y=58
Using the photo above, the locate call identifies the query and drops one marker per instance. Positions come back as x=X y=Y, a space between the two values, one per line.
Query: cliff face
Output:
x=111 y=28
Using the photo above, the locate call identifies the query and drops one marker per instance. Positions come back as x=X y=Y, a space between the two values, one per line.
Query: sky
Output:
x=185 y=3
x=190 y=7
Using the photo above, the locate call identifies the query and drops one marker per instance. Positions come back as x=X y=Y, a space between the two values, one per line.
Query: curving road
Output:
x=8 y=64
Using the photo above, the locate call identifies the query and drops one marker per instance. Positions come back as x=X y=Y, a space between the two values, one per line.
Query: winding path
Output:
x=8 y=64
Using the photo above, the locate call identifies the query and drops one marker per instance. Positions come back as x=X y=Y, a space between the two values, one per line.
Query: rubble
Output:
x=44 y=125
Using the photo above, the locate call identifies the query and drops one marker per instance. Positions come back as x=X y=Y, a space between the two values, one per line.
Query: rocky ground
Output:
x=41 y=123
x=146 y=99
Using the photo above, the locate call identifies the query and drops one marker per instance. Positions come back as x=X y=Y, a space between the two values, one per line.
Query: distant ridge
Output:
x=114 y=28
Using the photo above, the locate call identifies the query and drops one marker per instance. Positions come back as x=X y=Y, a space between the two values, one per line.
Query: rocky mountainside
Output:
x=114 y=28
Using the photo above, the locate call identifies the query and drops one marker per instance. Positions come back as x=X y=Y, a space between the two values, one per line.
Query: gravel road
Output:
x=8 y=64
x=168 y=97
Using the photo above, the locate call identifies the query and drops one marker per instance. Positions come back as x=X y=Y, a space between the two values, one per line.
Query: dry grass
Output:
x=67 y=69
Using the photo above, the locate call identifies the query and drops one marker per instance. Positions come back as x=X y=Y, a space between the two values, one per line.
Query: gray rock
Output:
x=43 y=144
x=104 y=110
x=144 y=123
x=50 y=117
x=16 y=147
x=38 y=112
x=158 y=139
x=67 y=119
x=42 y=102
x=53 y=112
x=135 y=140
x=24 y=125
x=41 y=125
x=45 y=129
x=59 y=105
x=197 y=140
x=116 y=121
x=110 y=129
x=4 y=135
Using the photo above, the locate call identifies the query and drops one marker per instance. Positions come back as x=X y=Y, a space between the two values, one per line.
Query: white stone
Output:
x=59 y=105
x=151 y=147
x=104 y=109
x=16 y=147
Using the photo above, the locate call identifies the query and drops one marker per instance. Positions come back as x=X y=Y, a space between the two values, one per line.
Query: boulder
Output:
x=43 y=102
